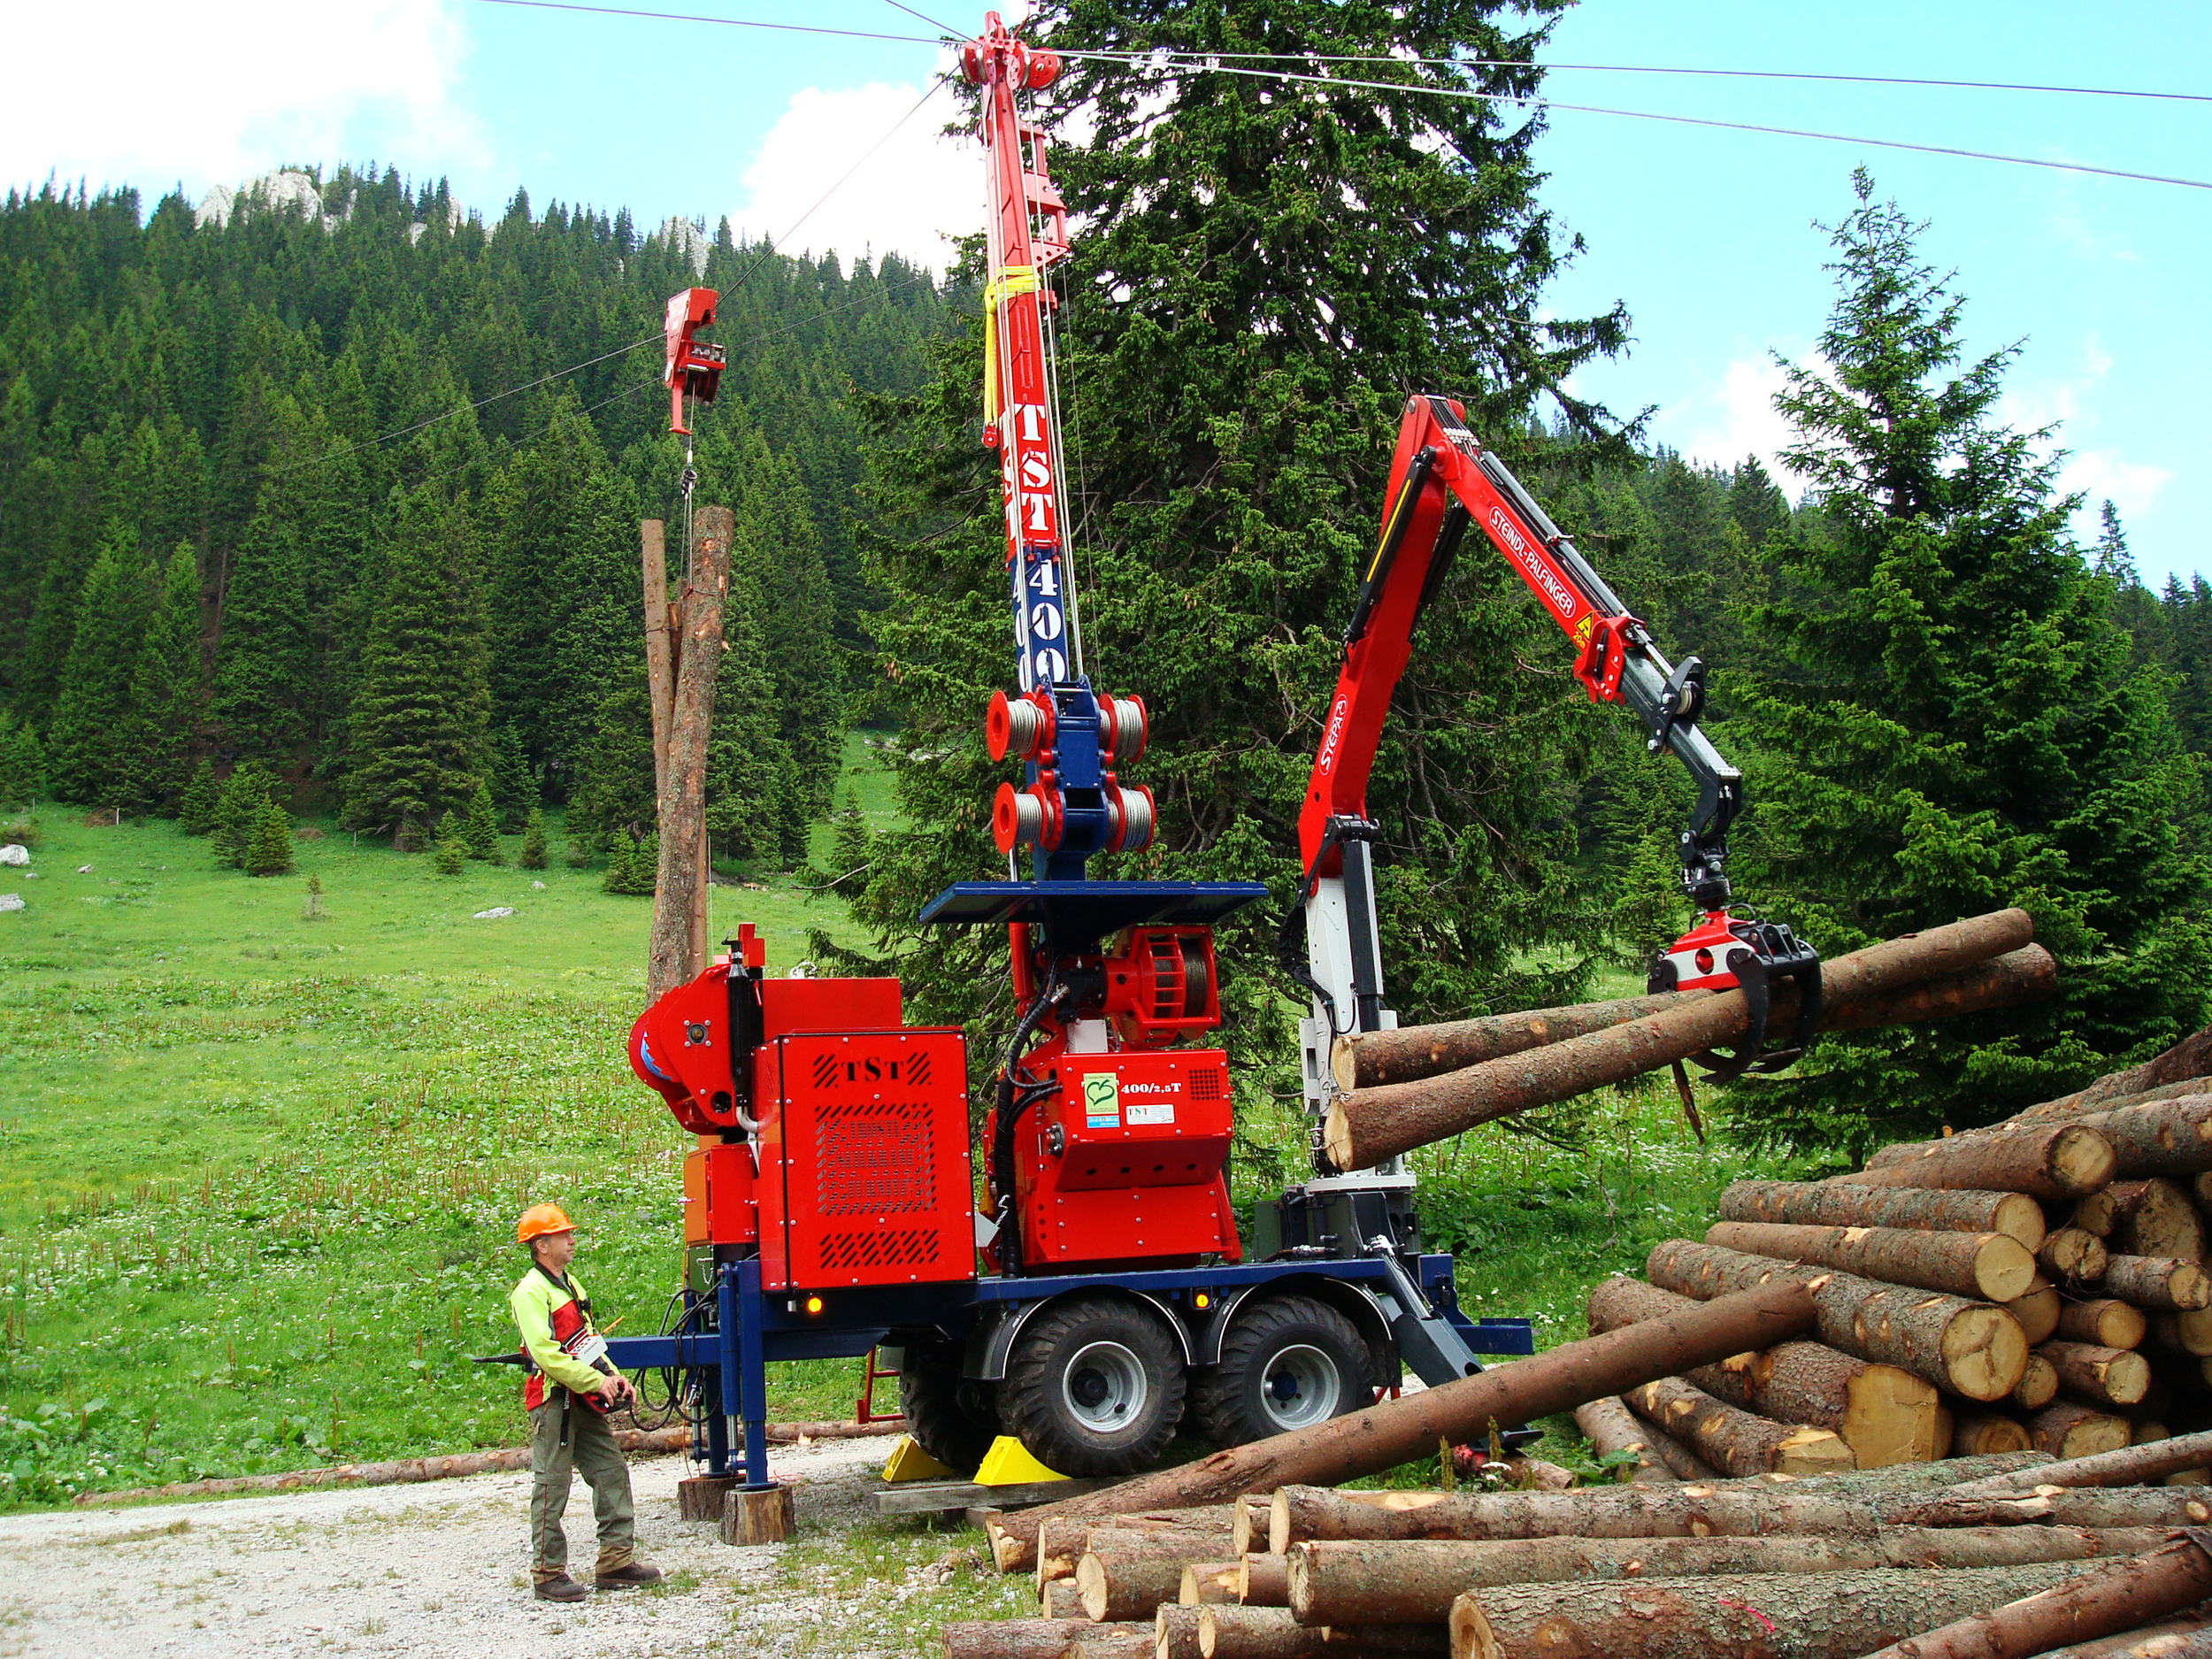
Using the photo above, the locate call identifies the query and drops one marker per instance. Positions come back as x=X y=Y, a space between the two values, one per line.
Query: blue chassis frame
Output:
x=755 y=1326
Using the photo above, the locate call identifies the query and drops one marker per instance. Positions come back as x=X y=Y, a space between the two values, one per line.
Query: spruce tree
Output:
x=481 y=832
x=1265 y=271
x=449 y=853
x=514 y=791
x=532 y=854
x=614 y=786
x=88 y=757
x=264 y=656
x=22 y=763
x=196 y=806
x=247 y=790
x=418 y=718
x=269 y=842
x=1951 y=724
x=621 y=853
x=849 y=845
x=165 y=688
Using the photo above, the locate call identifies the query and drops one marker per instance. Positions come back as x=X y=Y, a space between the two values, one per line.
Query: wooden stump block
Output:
x=758 y=1516
x=699 y=1497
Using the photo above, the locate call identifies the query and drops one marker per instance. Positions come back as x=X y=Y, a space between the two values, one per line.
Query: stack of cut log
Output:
x=1994 y=1557
x=2038 y=1284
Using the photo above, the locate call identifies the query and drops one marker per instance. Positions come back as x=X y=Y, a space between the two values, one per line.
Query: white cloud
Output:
x=2103 y=475
x=917 y=190
x=1723 y=420
x=151 y=93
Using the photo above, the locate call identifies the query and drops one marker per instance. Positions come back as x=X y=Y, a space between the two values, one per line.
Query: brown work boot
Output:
x=559 y=1587
x=629 y=1576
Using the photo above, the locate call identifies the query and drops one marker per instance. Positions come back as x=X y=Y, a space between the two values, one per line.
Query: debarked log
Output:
x=1969 y=1347
x=1763 y=1616
x=1368 y=1125
x=1365 y=1582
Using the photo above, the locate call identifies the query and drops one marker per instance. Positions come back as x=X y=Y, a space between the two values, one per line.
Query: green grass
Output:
x=258 y=1173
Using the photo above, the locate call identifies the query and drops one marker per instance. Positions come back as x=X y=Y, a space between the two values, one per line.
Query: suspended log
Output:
x=1367 y=1059
x=1023 y=1638
x=1767 y=1615
x=2109 y=1376
x=1613 y=1430
x=1397 y=1431
x=2073 y=1257
x=2066 y=1429
x=1967 y=1346
x=1264 y=1581
x=1735 y=1441
x=676 y=950
x=1734 y=1509
x=2111 y=1469
x=2157 y=1282
x=2038 y=1386
x=1992 y=1266
x=2037 y=1311
x=1362 y=1582
x=1979 y=1433
x=2186 y=1333
x=1884 y=1415
x=2052 y=1160
x=2154 y=1216
x=1368 y=1125
x=1840 y=1203
x=2107 y=1322
x=2096 y=1601
x=2026 y=975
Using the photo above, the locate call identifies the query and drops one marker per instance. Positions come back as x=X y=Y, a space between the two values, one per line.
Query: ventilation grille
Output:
x=862 y=1252
x=1209 y=1082
x=873 y=1158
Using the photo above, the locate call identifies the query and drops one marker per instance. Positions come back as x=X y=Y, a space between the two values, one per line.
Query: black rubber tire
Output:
x=1093 y=1387
x=940 y=1408
x=1270 y=1349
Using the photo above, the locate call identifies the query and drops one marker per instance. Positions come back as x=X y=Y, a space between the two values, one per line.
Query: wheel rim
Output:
x=1299 y=1386
x=1105 y=1387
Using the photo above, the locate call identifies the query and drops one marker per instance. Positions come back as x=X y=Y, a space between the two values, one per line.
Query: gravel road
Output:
x=440 y=1568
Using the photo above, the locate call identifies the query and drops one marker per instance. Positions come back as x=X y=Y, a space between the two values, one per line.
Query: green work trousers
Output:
x=589 y=1450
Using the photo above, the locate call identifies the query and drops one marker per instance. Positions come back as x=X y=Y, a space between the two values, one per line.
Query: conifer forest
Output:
x=314 y=495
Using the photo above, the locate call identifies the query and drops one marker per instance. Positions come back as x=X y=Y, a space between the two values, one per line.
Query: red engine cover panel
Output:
x=864 y=1157
x=1143 y=1137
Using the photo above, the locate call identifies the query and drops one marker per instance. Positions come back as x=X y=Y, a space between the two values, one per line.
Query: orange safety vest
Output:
x=571 y=1321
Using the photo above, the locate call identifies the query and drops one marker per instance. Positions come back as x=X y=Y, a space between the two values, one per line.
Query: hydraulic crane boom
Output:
x=1443 y=479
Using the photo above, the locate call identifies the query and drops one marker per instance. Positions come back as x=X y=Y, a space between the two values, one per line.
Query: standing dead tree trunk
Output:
x=1396 y=1431
x=678 y=950
x=1368 y=1125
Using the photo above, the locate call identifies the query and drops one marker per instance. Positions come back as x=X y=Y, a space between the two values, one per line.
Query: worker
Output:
x=568 y=1397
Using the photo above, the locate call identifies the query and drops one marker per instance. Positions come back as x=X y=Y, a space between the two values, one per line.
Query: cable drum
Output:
x=1122 y=726
x=1131 y=805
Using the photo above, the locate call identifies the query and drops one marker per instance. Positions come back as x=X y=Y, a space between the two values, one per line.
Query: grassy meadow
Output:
x=259 y=1167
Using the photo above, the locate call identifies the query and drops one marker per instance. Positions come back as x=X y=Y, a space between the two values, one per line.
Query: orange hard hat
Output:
x=540 y=1219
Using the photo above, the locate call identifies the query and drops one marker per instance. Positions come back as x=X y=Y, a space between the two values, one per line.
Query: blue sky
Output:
x=1709 y=236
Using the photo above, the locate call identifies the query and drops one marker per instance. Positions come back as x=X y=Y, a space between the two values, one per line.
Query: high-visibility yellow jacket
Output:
x=540 y=1301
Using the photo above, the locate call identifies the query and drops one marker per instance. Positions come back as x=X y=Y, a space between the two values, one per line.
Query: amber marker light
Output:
x=814 y=1304
x=1201 y=1301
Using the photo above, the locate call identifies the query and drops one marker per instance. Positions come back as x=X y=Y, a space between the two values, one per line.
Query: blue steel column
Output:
x=752 y=1372
x=727 y=1303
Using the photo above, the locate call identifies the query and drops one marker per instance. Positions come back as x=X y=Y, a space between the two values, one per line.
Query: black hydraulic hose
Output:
x=1008 y=1106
